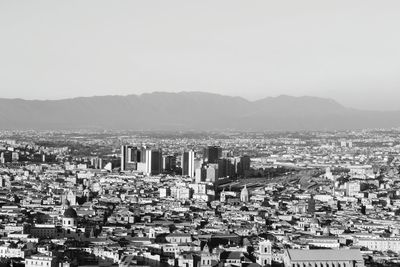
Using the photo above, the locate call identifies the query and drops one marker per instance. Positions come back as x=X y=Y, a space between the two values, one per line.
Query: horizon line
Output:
x=200 y=92
x=166 y=92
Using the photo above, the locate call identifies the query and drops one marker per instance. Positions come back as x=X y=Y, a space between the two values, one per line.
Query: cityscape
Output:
x=212 y=133
x=200 y=199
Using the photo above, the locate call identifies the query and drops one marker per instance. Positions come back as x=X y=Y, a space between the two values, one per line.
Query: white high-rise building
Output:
x=188 y=163
x=148 y=162
x=191 y=163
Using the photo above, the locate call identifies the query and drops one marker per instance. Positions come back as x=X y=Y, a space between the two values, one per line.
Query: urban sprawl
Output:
x=295 y=199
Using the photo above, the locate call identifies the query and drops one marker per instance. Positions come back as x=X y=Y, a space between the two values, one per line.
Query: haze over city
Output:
x=212 y=133
x=343 y=50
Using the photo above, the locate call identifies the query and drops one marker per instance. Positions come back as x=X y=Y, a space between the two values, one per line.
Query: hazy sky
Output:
x=348 y=50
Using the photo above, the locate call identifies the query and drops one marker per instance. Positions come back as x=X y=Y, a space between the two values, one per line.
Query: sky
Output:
x=347 y=50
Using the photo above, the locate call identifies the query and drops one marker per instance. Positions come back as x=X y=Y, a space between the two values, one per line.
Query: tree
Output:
x=123 y=242
x=172 y=228
x=339 y=205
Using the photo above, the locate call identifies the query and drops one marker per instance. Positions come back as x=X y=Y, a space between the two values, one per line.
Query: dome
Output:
x=70 y=213
x=244 y=208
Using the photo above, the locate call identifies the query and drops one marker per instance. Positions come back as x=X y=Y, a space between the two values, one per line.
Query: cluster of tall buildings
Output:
x=212 y=165
x=152 y=161
x=96 y=163
x=146 y=160
x=219 y=164
x=348 y=144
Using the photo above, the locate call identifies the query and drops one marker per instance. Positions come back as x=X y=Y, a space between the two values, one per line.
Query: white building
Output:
x=264 y=253
x=352 y=188
x=148 y=162
x=187 y=161
x=40 y=261
x=323 y=257
x=380 y=244
x=7 y=252
x=244 y=195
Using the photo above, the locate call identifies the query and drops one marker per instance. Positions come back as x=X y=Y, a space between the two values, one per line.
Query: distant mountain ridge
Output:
x=189 y=111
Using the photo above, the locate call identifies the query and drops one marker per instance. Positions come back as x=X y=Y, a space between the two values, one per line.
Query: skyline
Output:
x=344 y=50
x=259 y=199
x=207 y=133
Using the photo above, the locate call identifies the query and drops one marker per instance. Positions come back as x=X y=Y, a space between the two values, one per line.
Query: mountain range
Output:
x=189 y=111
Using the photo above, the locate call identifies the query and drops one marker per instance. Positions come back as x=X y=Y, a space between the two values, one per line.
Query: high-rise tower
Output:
x=188 y=163
x=212 y=154
x=130 y=156
x=153 y=161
